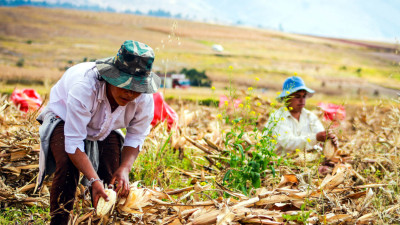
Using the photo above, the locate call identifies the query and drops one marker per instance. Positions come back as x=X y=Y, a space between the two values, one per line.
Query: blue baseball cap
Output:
x=291 y=85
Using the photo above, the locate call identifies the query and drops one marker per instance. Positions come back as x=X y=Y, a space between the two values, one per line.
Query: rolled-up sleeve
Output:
x=77 y=118
x=140 y=127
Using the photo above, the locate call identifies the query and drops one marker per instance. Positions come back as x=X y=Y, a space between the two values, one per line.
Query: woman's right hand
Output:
x=323 y=135
x=82 y=162
x=97 y=192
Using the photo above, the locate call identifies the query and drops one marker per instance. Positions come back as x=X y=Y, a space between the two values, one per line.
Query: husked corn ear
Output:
x=103 y=207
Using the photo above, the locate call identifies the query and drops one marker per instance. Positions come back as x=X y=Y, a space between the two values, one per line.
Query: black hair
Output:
x=100 y=78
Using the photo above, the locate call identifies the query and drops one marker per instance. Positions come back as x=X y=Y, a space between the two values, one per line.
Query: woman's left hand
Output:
x=120 y=180
x=334 y=139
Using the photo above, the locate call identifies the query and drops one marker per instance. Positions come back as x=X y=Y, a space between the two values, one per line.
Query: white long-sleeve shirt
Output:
x=292 y=134
x=80 y=99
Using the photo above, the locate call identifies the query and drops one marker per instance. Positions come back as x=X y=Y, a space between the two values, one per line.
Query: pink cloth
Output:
x=332 y=112
x=223 y=99
x=26 y=99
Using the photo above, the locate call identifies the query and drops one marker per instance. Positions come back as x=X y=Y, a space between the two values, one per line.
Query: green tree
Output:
x=197 y=78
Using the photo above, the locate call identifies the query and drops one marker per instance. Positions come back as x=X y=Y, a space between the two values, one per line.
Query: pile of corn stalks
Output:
x=341 y=200
x=19 y=157
x=335 y=193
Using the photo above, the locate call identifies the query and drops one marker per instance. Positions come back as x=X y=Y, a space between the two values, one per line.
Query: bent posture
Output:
x=80 y=125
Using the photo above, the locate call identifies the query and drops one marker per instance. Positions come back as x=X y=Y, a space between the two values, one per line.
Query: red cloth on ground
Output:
x=332 y=112
x=163 y=111
x=26 y=99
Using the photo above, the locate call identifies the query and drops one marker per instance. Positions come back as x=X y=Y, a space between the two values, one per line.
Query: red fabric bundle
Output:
x=26 y=99
x=332 y=112
x=163 y=111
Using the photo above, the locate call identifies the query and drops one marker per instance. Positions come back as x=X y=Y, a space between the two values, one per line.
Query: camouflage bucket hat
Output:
x=131 y=68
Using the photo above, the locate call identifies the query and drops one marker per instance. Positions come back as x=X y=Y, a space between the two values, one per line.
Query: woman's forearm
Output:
x=128 y=157
x=83 y=164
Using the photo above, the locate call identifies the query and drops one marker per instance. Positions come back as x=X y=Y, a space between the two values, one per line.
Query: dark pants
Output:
x=66 y=176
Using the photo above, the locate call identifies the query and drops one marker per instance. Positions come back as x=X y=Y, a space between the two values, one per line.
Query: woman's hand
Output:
x=120 y=180
x=333 y=138
x=82 y=162
x=97 y=192
x=323 y=135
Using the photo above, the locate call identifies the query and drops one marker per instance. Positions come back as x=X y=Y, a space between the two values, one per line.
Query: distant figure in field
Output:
x=294 y=126
x=80 y=125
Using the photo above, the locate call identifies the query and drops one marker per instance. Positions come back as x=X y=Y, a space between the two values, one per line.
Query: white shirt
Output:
x=80 y=99
x=292 y=134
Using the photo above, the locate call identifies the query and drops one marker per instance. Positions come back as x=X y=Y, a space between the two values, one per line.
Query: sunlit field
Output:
x=217 y=164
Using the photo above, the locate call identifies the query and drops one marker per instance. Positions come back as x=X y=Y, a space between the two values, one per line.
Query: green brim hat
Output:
x=131 y=68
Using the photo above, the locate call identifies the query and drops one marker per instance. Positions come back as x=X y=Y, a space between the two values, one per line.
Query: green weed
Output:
x=249 y=161
x=300 y=217
x=24 y=215
x=156 y=166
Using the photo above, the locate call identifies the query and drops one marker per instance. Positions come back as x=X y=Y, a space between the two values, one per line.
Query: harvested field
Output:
x=355 y=184
x=215 y=166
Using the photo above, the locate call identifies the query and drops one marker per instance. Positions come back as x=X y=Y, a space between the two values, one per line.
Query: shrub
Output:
x=20 y=62
x=197 y=78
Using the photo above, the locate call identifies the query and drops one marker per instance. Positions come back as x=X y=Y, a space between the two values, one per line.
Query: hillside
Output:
x=219 y=164
x=49 y=40
x=357 y=19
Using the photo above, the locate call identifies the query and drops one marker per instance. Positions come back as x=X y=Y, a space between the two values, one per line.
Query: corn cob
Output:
x=103 y=207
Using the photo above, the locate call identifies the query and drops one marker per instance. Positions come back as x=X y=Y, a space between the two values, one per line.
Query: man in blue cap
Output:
x=294 y=126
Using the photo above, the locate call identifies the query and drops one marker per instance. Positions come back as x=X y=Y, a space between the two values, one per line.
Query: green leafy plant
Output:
x=300 y=217
x=247 y=168
x=249 y=161
x=155 y=166
x=24 y=215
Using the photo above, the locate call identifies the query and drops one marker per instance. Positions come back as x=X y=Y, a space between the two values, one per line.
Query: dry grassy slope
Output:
x=59 y=36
